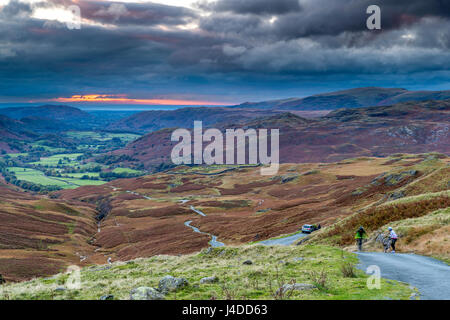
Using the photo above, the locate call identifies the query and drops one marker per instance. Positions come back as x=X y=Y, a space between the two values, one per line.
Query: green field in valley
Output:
x=38 y=177
x=66 y=159
x=127 y=170
x=102 y=136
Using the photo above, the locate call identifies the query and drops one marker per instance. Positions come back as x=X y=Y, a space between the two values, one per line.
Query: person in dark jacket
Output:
x=359 y=237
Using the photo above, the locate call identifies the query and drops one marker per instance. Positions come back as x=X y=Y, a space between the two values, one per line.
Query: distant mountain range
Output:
x=61 y=113
x=26 y=123
x=410 y=127
x=54 y=118
x=148 y=121
x=353 y=98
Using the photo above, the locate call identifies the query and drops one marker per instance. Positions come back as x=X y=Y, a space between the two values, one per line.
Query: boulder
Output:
x=394 y=179
x=212 y=279
x=169 y=283
x=248 y=262
x=396 y=195
x=107 y=297
x=288 y=178
x=146 y=293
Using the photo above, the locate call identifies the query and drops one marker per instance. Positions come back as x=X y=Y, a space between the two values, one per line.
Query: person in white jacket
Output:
x=393 y=237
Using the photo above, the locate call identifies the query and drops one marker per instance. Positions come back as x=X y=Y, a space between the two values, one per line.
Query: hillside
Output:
x=146 y=216
x=353 y=98
x=281 y=273
x=10 y=131
x=15 y=134
x=55 y=112
x=148 y=121
x=374 y=131
x=25 y=129
x=158 y=214
x=59 y=118
x=39 y=236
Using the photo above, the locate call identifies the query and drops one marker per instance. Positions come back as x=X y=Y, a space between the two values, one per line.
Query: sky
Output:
x=216 y=52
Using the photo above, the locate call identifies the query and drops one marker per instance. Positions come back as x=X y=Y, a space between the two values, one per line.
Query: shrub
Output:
x=348 y=270
x=319 y=279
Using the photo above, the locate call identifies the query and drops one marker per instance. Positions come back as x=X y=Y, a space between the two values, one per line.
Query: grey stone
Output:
x=288 y=178
x=146 y=293
x=212 y=279
x=107 y=297
x=101 y=268
x=169 y=283
x=248 y=262
x=396 y=195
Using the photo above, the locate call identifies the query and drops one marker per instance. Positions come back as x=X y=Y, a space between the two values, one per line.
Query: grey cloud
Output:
x=332 y=17
x=232 y=49
x=145 y=14
x=252 y=6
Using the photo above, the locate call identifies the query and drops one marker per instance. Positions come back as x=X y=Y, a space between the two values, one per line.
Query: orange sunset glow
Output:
x=125 y=99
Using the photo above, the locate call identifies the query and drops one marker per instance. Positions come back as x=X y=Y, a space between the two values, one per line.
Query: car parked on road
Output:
x=308 y=228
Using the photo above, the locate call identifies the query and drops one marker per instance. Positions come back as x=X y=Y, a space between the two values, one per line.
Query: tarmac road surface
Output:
x=430 y=276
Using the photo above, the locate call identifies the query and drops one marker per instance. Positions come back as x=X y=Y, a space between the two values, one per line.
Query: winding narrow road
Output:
x=198 y=211
x=213 y=242
x=430 y=276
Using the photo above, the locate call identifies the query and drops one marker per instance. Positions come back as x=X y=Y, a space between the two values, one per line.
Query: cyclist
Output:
x=393 y=237
x=360 y=235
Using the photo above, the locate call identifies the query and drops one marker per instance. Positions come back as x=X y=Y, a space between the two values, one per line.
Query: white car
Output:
x=308 y=228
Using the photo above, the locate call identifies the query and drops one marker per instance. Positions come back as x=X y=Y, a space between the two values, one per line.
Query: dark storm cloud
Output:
x=331 y=17
x=14 y=10
x=252 y=6
x=136 y=13
x=238 y=47
x=37 y=56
